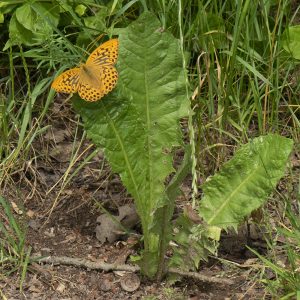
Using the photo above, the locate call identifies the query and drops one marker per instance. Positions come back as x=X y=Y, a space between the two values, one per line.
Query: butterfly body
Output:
x=91 y=75
x=95 y=78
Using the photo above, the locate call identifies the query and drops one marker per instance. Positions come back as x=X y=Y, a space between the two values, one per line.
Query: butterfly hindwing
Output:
x=105 y=54
x=67 y=82
x=89 y=93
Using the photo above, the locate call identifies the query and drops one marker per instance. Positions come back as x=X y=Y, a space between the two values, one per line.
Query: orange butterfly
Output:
x=95 y=78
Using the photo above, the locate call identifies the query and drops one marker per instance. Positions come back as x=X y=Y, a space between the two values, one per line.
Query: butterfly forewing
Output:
x=67 y=82
x=106 y=54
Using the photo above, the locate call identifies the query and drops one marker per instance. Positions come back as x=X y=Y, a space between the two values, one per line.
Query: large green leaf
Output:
x=151 y=74
x=138 y=124
x=244 y=183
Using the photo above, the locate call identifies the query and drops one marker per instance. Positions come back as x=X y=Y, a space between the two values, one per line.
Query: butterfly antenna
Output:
x=91 y=44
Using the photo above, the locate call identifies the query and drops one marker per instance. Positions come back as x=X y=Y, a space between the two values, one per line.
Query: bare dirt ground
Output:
x=69 y=230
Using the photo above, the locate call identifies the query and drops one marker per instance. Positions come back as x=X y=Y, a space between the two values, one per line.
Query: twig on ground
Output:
x=81 y=262
x=200 y=277
x=101 y=265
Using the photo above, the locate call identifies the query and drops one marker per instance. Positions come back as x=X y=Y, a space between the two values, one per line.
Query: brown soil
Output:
x=70 y=230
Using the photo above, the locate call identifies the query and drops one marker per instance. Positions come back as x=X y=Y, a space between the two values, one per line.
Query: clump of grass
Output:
x=14 y=256
x=283 y=261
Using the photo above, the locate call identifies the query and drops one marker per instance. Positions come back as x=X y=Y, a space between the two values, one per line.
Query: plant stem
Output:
x=162 y=245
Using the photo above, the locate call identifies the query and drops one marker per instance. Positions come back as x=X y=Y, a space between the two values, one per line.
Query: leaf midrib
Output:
x=231 y=196
x=148 y=122
x=124 y=154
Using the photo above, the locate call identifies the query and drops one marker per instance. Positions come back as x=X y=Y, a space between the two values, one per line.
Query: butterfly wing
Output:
x=89 y=93
x=106 y=54
x=106 y=78
x=109 y=77
x=67 y=82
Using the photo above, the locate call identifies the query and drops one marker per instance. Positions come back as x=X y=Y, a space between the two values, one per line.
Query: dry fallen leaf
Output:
x=56 y=135
x=63 y=151
x=108 y=228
